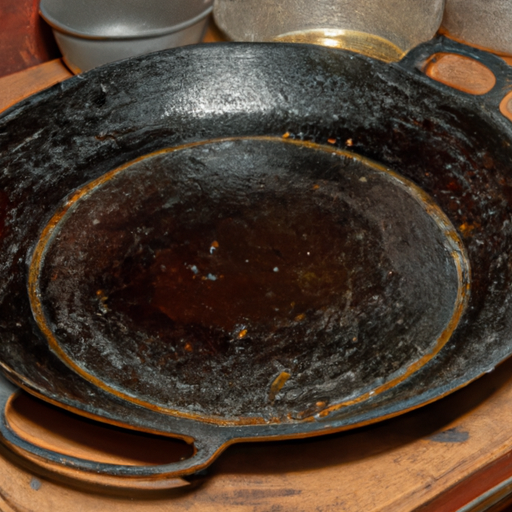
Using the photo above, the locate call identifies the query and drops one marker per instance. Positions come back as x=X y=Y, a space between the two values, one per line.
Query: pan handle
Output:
x=112 y=475
x=417 y=59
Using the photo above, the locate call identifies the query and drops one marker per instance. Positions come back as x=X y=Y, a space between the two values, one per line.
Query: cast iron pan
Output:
x=239 y=242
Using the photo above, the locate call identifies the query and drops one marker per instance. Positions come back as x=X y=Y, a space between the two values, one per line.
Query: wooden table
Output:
x=454 y=455
x=440 y=458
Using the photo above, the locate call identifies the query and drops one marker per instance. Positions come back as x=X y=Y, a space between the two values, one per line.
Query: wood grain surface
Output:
x=20 y=85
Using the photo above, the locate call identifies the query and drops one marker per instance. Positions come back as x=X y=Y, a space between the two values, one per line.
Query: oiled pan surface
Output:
x=407 y=280
x=249 y=277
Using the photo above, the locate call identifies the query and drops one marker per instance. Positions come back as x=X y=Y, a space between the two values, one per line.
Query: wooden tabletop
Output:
x=453 y=455
x=437 y=459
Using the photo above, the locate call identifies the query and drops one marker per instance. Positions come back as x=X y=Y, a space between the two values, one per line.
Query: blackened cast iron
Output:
x=370 y=204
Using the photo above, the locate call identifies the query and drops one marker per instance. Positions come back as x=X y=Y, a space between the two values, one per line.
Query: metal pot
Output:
x=386 y=29
x=485 y=24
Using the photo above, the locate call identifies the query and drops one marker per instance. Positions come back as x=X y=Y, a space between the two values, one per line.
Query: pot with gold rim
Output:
x=383 y=29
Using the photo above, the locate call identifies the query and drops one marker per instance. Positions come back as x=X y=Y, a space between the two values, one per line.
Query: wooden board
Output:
x=20 y=85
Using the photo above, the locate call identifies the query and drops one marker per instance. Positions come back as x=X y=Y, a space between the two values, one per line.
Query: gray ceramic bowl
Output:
x=93 y=32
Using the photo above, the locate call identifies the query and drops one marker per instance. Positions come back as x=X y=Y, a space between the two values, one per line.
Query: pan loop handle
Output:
x=478 y=76
x=162 y=476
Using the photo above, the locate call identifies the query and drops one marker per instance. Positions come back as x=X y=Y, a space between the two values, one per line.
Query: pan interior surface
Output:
x=248 y=280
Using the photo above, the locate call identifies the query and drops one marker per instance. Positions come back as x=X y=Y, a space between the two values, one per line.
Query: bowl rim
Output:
x=67 y=30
